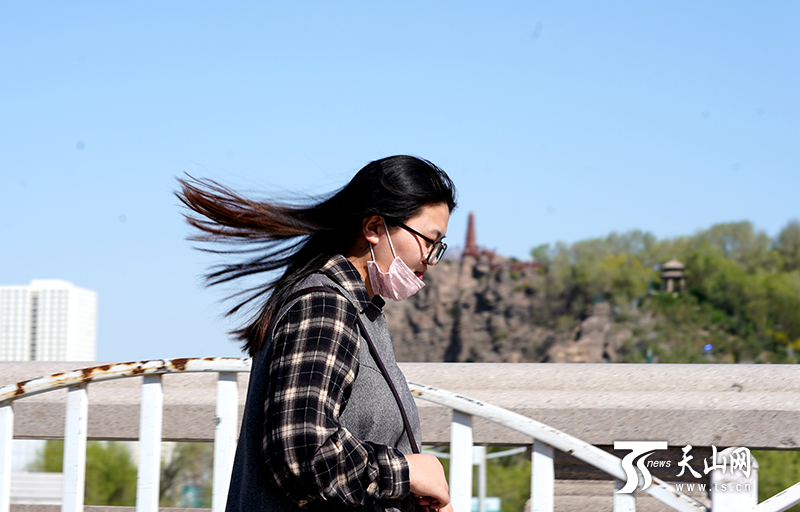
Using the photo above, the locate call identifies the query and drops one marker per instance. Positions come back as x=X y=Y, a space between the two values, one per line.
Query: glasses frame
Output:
x=434 y=255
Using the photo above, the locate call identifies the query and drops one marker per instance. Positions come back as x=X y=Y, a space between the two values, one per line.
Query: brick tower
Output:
x=471 y=245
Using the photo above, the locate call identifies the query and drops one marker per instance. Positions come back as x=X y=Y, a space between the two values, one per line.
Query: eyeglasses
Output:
x=437 y=246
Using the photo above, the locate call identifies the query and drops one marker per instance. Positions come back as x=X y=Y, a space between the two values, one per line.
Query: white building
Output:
x=48 y=320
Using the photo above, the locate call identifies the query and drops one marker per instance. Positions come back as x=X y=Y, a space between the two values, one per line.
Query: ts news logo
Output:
x=643 y=448
x=735 y=459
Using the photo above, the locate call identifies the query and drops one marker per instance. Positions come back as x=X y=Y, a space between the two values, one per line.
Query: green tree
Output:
x=624 y=277
x=782 y=298
x=49 y=458
x=110 y=475
x=186 y=479
x=542 y=254
x=739 y=242
x=746 y=289
x=508 y=478
x=110 y=471
x=788 y=246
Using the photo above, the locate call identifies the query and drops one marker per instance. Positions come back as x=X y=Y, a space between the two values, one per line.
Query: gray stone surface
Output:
x=723 y=405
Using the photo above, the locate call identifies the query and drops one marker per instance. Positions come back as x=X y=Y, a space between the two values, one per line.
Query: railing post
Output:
x=75 y=449
x=461 y=462
x=733 y=491
x=543 y=478
x=6 y=442
x=150 y=422
x=224 y=438
x=479 y=458
x=623 y=502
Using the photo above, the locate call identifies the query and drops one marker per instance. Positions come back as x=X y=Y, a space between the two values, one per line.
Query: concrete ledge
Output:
x=701 y=405
x=757 y=406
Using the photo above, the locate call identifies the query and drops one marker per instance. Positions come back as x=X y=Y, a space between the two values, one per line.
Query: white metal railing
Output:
x=75 y=436
x=542 y=469
x=545 y=440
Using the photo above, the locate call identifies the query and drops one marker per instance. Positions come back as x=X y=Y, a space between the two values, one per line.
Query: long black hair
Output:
x=270 y=236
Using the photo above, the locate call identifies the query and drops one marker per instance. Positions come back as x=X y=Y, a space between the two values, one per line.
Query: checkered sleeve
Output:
x=313 y=366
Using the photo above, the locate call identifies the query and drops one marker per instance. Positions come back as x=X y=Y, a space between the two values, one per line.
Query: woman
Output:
x=329 y=423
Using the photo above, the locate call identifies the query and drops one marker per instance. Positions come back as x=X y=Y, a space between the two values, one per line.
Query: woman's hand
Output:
x=428 y=484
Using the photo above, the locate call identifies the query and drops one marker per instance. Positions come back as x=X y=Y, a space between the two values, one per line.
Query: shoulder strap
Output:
x=373 y=352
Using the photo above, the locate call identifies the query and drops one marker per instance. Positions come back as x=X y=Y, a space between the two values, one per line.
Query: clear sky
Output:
x=557 y=121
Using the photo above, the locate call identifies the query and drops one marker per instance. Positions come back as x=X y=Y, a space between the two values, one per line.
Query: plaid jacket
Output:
x=314 y=360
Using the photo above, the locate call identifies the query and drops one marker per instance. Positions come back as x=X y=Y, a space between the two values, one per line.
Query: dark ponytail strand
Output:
x=300 y=239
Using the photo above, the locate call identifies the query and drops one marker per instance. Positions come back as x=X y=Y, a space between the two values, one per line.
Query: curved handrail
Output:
x=555 y=438
x=121 y=370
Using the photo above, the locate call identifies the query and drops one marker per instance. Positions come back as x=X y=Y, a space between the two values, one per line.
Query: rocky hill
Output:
x=487 y=308
x=726 y=294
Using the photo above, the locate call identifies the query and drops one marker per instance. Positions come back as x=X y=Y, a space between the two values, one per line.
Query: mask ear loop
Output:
x=389 y=237
x=391 y=246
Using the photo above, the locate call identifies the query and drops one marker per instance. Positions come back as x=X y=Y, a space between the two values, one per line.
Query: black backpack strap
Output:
x=373 y=352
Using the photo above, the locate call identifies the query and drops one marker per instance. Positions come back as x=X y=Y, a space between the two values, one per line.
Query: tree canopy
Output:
x=742 y=285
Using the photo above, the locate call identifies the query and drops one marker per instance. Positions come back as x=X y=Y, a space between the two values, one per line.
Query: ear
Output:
x=371 y=228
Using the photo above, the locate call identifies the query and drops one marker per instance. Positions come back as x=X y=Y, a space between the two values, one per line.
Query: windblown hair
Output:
x=269 y=236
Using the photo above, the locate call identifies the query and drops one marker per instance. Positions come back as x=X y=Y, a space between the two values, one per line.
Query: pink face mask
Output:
x=399 y=282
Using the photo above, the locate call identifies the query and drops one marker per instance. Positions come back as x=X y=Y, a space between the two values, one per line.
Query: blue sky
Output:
x=557 y=121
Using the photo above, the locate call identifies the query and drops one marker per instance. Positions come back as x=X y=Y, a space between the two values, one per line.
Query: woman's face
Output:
x=431 y=221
